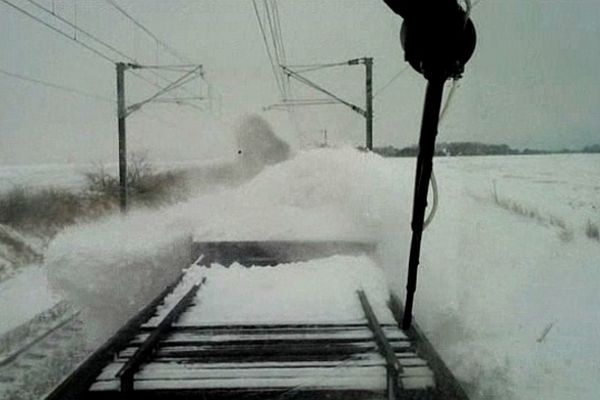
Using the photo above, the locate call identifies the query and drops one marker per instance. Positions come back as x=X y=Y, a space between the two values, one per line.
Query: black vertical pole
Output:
x=122 y=114
x=429 y=126
x=369 y=102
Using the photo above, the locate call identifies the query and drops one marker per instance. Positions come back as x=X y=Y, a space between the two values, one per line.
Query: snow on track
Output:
x=316 y=291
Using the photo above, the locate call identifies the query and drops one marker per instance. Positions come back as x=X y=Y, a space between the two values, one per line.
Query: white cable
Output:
x=434 y=206
x=432 y=180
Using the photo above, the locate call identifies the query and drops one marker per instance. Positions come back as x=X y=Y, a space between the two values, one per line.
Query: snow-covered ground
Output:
x=509 y=284
x=24 y=296
x=509 y=295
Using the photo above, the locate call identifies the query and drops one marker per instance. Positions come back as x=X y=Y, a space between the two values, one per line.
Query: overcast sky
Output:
x=533 y=81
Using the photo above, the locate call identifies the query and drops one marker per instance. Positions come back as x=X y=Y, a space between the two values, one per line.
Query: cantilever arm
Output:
x=313 y=85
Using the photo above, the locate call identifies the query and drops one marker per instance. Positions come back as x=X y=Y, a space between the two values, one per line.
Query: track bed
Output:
x=312 y=329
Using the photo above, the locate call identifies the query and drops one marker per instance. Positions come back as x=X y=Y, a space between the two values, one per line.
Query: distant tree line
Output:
x=475 y=149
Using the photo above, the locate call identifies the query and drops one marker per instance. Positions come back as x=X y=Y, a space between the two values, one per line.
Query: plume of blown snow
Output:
x=256 y=146
x=112 y=267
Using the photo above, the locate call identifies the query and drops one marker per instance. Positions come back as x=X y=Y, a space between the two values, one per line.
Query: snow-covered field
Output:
x=509 y=295
x=68 y=176
x=72 y=176
x=509 y=285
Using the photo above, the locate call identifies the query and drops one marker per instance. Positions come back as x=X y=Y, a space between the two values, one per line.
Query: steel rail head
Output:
x=128 y=370
x=12 y=356
x=77 y=383
x=385 y=348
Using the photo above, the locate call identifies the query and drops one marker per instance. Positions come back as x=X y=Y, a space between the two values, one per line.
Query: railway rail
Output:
x=49 y=326
x=36 y=355
x=168 y=349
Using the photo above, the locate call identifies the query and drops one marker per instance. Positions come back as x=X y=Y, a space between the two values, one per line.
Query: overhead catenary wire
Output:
x=275 y=7
x=269 y=24
x=105 y=44
x=274 y=37
x=392 y=80
x=96 y=49
x=311 y=84
x=288 y=88
x=283 y=60
x=79 y=29
x=82 y=93
x=173 y=67
x=270 y=28
x=74 y=39
x=170 y=49
x=303 y=68
x=274 y=67
x=166 y=46
x=95 y=39
x=286 y=104
x=41 y=21
x=274 y=24
x=165 y=122
x=172 y=86
x=56 y=86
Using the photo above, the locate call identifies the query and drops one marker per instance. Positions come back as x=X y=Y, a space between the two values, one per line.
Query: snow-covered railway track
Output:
x=41 y=353
x=235 y=332
x=66 y=323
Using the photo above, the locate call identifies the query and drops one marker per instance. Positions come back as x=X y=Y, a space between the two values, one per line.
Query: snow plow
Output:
x=319 y=325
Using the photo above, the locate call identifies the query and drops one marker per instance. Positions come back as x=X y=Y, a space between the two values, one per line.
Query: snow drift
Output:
x=113 y=266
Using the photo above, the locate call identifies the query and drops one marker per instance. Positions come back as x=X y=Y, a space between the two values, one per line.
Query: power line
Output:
x=303 y=68
x=313 y=85
x=384 y=87
x=172 y=85
x=77 y=28
x=187 y=77
x=99 y=41
x=275 y=9
x=88 y=47
x=276 y=49
x=272 y=16
x=168 y=48
x=266 y=42
x=270 y=21
x=85 y=45
x=163 y=121
x=56 y=86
